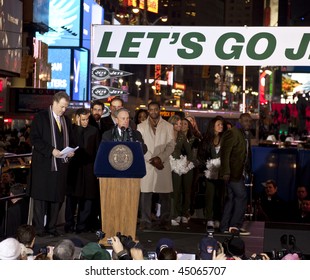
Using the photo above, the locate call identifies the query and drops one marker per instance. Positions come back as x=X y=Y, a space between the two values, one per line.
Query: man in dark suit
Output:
x=122 y=132
x=95 y=118
x=235 y=166
x=50 y=133
x=83 y=185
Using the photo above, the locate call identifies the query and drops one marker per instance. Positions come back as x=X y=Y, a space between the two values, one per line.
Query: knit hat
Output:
x=93 y=251
x=10 y=249
x=235 y=246
x=164 y=243
x=206 y=247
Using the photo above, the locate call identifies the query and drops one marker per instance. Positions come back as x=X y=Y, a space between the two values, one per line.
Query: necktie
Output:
x=58 y=123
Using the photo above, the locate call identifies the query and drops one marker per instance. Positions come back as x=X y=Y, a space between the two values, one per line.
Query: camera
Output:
x=151 y=255
x=100 y=234
x=44 y=250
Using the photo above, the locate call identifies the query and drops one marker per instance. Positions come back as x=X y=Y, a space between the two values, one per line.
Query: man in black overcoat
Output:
x=50 y=133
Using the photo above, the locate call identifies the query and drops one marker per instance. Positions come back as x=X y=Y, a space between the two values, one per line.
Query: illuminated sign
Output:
x=201 y=45
x=92 y=14
x=80 y=69
x=61 y=61
x=64 y=21
x=11 y=24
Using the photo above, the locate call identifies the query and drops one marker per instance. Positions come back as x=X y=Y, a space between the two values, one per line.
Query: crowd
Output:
x=24 y=247
x=179 y=160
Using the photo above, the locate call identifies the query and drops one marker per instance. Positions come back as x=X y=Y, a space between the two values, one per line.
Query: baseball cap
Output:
x=164 y=243
x=206 y=247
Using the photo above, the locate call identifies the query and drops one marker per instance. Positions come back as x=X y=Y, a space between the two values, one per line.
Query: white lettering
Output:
x=57 y=66
x=58 y=83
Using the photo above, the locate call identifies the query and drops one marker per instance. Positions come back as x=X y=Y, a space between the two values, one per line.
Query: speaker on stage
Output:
x=280 y=238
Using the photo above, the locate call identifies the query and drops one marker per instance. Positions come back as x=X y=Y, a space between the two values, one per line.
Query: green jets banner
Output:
x=201 y=45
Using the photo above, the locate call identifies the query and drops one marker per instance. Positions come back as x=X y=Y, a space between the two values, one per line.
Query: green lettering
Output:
x=103 y=50
x=189 y=44
x=235 y=50
x=128 y=44
x=271 y=46
x=157 y=37
x=289 y=53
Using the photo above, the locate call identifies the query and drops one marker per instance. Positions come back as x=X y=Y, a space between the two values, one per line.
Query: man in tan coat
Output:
x=158 y=136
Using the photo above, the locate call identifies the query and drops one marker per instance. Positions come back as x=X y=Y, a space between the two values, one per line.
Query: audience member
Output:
x=10 y=249
x=17 y=211
x=294 y=206
x=159 y=138
x=93 y=251
x=50 y=133
x=64 y=250
x=235 y=167
x=271 y=207
x=26 y=234
x=165 y=249
x=304 y=215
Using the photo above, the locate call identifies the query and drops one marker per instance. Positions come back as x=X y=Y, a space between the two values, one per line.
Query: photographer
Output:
x=126 y=250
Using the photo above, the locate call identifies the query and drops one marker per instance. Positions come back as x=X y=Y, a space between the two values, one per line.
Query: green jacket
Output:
x=233 y=154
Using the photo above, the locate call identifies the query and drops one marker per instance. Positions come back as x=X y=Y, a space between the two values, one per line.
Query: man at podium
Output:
x=122 y=132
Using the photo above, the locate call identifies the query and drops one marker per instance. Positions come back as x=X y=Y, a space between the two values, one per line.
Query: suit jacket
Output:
x=233 y=154
x=110 y=136
x=46 y=184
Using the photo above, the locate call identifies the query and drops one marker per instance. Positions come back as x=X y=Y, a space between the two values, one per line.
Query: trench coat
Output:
x=162 y=145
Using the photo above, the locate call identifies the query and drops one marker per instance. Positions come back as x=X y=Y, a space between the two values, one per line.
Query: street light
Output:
x=138 y=84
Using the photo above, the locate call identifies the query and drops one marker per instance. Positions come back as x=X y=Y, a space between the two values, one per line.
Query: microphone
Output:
x=123 y=129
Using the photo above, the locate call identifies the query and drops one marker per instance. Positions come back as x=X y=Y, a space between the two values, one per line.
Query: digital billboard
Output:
x=11 y=14
x=80 y=75
x=64 y=23
x=92 y=14
x=60 y=60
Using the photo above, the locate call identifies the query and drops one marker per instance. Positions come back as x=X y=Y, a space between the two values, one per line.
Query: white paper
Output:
x=64 y=153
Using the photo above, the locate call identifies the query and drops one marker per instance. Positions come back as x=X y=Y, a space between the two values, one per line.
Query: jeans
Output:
x=235 y=205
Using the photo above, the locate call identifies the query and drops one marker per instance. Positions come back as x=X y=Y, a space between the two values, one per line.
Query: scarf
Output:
x=65 y=136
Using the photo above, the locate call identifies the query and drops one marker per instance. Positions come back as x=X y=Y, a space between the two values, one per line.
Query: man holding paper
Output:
x=50 y=134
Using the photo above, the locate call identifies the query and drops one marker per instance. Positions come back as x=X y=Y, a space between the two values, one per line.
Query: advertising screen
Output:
x=64 y=21
x=61 y=62
x=11 y=13
x=80 y=67
x=92 y=14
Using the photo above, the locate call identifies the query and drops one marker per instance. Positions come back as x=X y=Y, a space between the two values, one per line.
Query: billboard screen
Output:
x=61 y=66
x=92 y=14
x=64 y=21
x=11 y=14
x=80 y=76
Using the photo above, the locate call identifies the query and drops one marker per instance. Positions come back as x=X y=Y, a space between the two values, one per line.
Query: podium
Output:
x=119 y=167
